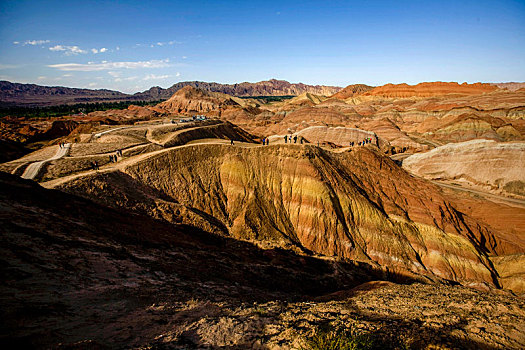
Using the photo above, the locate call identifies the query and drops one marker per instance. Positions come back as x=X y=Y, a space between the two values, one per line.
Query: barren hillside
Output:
x=300 y=197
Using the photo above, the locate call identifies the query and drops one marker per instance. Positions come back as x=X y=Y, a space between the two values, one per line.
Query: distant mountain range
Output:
x=32 y=95
x=15 y=94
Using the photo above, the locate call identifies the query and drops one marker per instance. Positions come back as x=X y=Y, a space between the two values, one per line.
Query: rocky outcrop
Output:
x=59 y=128
x=510 y=86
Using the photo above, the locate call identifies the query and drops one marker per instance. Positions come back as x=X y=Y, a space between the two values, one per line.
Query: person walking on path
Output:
x=231 y=142
x=285 y=138
x=295 y=139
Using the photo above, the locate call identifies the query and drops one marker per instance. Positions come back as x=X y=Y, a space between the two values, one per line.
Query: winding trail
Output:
x=98 y=134
x=121 y=165
x=33 y=169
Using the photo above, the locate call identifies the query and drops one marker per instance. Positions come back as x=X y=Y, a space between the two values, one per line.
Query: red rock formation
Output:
x=430 y=89
x=197 y=101
x=352 y=90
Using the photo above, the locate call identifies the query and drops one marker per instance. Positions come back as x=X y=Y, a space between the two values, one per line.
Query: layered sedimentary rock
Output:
x=306 y=99
x=429 y=89
x=484 y=163
x=355 y=205
x=352 y=90
x=190 y=99
x=414 y=118
x=339 y=136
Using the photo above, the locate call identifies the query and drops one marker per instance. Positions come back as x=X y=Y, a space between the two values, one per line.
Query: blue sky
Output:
x=133 y=45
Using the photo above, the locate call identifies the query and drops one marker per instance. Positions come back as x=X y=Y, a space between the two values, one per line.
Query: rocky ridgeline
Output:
x=271 y=87
x=15 y=94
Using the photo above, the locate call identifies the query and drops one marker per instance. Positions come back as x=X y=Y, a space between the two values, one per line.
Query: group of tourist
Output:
x=362 y=143
x=62 y=144
x=295 y=138
x=113 y=158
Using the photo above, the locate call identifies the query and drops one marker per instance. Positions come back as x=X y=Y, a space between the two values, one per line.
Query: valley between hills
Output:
x=229 y=221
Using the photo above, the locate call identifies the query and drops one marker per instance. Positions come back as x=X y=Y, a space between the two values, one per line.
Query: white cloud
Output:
x=155 y=77
x=16 y=42
x=67 y=75
x=125 y=79
x=70 y=50
x=42 y=77
x=114 y=74
x=158 y=43
x=184 y=57
x=8 y=66
x=95 y=51
x=117 y=48
x=34 y=42
x=104 y=65
x=178 y=74
x=92 y=84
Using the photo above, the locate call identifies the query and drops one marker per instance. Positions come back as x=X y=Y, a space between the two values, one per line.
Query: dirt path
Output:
x=34 y=168
x=98 y=134
x=489 y=196
x=132 y=160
